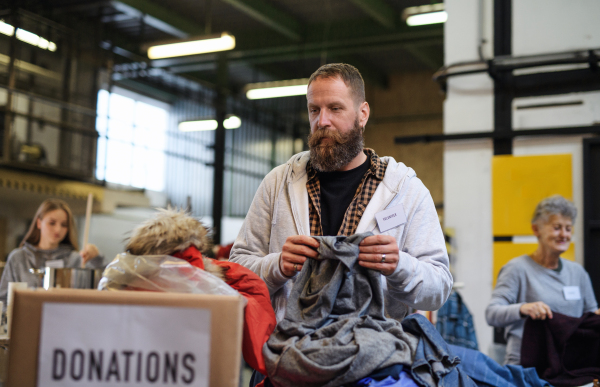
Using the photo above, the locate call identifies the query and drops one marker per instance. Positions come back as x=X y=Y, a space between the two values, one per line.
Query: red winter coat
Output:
x=259 y=317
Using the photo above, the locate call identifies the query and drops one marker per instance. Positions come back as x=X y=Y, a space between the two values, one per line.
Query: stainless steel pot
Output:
x=69 y=278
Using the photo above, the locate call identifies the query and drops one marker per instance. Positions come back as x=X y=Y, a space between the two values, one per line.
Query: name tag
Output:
x=572 y=293
x=56 y=263
x=390 y=218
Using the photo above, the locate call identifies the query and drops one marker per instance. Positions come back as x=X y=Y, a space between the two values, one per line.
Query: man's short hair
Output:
x=347 y=73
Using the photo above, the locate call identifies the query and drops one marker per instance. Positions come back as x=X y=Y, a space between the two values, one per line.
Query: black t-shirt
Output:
x=337 y=191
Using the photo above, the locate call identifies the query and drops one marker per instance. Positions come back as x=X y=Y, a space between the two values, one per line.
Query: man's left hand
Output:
x=379 y=252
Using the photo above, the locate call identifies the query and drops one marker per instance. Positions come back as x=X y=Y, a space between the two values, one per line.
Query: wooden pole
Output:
x=88 y=217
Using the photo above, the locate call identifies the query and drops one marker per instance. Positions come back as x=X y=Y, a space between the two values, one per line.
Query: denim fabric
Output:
x=455 y=323
x=434 y=363
x=486 y=372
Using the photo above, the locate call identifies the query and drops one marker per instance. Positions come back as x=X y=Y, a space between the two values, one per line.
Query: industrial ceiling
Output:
x=275 y=39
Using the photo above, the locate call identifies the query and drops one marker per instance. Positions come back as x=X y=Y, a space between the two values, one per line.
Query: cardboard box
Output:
x=226 y=318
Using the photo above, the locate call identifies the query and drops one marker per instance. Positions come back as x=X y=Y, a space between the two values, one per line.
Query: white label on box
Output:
x=125 y=345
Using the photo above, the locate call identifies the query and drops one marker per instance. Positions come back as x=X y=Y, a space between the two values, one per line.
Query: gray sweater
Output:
x=22 y=259
x=521 y=281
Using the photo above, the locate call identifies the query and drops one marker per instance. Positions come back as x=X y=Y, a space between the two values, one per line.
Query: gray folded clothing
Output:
x=334 y=330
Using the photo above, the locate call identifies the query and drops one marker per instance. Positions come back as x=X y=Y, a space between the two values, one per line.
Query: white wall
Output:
x=468 y=210
x=539 y=26
x=549 y=26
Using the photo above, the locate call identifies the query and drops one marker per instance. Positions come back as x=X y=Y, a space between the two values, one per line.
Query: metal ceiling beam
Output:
x=379 y=11
x=159 y=17
x=269 y=16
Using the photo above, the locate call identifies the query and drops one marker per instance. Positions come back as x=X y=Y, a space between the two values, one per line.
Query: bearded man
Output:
x=341 y=188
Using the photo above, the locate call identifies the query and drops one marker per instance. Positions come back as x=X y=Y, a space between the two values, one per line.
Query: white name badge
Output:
x=56 y=263
x=390 y=218
x=572 y=293
x=124 y=345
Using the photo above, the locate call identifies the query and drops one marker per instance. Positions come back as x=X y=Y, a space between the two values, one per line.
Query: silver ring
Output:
x=382 y=258
x=295 y=267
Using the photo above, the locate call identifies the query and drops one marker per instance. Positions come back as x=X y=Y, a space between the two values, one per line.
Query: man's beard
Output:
x=326 y=157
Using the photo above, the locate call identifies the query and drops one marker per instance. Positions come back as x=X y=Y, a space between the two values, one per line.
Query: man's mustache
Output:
x=318 y=135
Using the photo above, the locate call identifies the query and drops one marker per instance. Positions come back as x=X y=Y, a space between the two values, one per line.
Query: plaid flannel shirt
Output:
x=361 y=199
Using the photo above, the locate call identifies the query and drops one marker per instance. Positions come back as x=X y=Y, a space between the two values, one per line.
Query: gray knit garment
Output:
x=334 y=330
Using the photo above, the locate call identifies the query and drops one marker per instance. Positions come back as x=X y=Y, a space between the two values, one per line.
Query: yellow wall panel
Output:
x=505 y=251
x=520 y=182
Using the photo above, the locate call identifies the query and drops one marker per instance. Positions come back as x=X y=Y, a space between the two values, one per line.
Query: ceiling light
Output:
x=425 y=14
x=427 y=18
x=231 y=122
x=223 y=43
x=27 y=37
x=277 y=89
x=6 y=29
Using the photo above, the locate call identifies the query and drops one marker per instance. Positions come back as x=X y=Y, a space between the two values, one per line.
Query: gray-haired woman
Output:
x=535 y=285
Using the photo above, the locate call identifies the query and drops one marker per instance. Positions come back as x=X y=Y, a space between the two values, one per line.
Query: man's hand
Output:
x=372 y=250
x=597 y=312
x=295 y=251
x=536 y=310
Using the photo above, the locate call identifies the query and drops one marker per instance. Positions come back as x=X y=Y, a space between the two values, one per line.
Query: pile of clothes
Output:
x=335 y=331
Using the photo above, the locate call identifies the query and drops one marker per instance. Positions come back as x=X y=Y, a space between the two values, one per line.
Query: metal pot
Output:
x=69 y=278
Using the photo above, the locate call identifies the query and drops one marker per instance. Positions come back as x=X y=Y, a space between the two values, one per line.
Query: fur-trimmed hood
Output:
x=167 y=232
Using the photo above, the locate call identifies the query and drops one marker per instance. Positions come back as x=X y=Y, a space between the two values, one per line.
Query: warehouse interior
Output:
x=495 y=109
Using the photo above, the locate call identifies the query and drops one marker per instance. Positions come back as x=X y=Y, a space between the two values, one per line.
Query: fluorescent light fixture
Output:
x=276 y=89
x=27 y=37
x=6 y=28
x=427 y=18
x=223 y=43
x=231 y=122
x=425 y=14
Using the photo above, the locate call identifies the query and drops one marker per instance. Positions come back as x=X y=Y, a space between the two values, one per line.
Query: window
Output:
x=132 y=137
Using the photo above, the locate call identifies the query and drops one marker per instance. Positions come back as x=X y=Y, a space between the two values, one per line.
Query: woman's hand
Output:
x=536 y=310
x=89 y=252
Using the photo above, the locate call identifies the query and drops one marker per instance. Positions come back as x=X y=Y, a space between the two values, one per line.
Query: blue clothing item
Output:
x=433 y=357
x=455 y=323
x=486 y=372
x=403 y=380
x=393 y=371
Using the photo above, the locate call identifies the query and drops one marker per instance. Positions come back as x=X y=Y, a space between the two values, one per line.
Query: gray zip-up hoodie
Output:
x=422 y=279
